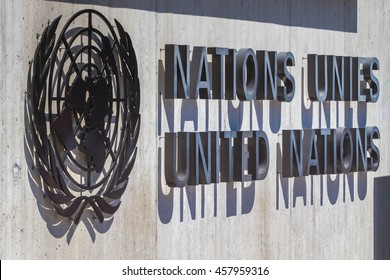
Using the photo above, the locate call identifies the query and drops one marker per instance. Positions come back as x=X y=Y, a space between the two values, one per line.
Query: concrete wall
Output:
x=320 y=217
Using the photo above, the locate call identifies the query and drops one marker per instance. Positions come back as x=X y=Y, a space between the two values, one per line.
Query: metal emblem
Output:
x=83 y=108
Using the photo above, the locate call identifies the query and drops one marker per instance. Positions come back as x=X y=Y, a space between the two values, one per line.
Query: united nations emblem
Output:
x=83 y=110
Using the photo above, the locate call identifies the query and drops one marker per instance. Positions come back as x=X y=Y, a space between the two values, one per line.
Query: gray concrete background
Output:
x=322 y=217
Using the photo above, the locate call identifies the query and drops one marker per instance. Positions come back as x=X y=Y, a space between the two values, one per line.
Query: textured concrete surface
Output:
x=319 y=217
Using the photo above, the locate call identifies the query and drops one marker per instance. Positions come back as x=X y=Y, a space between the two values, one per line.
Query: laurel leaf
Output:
x=64 y=187
x=80 y=211
x=71 y=209
x=127 y=169
x=53 y=165
x=96 y=209
x=133 y=138
x=121 y=32
x=38 y=146
x=116 y=193
x=47 y=177
x=57 y=197
x=106 y=207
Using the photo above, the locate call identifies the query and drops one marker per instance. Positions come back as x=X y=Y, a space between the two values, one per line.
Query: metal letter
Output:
x=200 y=79
x=292 y=153
x=374 y=160
x=359 y=135
x=231 y=75
x=345 y=149
x=227 y=159
x=332 y=141
x=239 y=156
x=348 y=80
x=317 y=77
x=200 y=141
x=286 y=92
x=177 y=58
x=218 y=71
x=327 y=150
x=177 y=159
x=268 y=75
x=357 y=77
x=258 y=148
x=322 y=146
x=335 y=74
x=247 y=74
x=311 y=165
x=371 y=93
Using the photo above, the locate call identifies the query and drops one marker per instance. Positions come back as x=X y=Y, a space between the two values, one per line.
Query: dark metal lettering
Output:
x=357 y=77
x=348 y=80
x=218 y=71
x=371 y=93
x=177 y=159
x=247 y=73
x=200 y=78
x=311 y=163
x=359 y=134
x=268 y=75
x=177 y=61
x=374 y=159
x=231 y=75
x=200 y=158
x=227 y=158
x=317 y=77
x=286 y=92
x=345 y=149
x=336 y=78
x=292 y=149
x=258 y=162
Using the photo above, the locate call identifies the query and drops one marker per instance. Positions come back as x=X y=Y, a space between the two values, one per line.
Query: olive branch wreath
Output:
x=107 y=200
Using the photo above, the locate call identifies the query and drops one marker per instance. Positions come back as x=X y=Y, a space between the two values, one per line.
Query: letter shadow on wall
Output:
x=382 y=218
x=57 y=225
x=320 y=14
x=165 y=200
x=300 y=188
x=188 y=194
